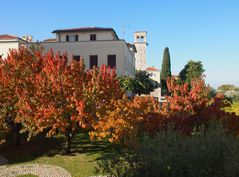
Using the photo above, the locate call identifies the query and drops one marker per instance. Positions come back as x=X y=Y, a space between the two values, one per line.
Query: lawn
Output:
x=80 y=163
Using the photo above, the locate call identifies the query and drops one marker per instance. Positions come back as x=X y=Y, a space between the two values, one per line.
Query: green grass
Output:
x=80 y=163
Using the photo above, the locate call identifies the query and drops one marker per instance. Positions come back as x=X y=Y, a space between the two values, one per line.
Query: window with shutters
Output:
x=76 y=57
x=93 y=61
x=71 y=38
x=112 y=61
x=93 y=37
x=63 y=57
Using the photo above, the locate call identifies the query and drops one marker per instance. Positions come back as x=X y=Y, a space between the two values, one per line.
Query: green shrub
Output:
x=170 y=154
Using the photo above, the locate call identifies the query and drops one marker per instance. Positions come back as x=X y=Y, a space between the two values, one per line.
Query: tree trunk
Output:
x=17 y=134
x=16 y=127
x=68 y=142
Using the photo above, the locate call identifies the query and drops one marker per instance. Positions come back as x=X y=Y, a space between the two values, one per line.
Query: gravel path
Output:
x=40 y=170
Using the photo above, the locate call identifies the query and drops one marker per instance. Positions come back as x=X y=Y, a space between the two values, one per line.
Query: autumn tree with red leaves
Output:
x=101 y=87
x=51 y=94
x=124 y=118
x=16 y=73
x=192 y=108
x=185 y=106
x=57 y=104
x=66 y=97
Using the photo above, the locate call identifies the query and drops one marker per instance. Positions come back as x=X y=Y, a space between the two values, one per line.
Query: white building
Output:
x=96 y=46
x=140 y=43
x=8 y=42
x=154 y=74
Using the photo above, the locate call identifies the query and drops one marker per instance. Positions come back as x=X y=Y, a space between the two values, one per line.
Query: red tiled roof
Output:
x=7 y=36
x=152 y=69
x=50 y=40
x=85 y=29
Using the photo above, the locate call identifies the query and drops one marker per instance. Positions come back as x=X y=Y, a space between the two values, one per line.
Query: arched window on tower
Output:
x=142 y=39
x=137 y=39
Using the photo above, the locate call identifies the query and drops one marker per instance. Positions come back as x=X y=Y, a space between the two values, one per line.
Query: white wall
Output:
x=155 y=75
x=129 y=62
x=6 y=46
x=100 y=48
x=156 y=93
x=85 y=36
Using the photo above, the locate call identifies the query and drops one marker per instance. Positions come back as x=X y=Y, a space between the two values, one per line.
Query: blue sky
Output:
x=205 y=30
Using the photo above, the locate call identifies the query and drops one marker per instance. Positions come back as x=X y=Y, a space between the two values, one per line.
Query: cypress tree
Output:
x=165 y=70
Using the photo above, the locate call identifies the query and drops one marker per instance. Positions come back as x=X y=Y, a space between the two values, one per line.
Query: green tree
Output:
x=166 y=70
x=126 y=83
x=141 y=84
x=192 y=70
x=227 y=87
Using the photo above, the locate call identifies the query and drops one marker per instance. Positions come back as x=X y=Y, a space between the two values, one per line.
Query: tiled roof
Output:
x=50 y=40
x=85 y=29
x=7 y=37
x=152 y=69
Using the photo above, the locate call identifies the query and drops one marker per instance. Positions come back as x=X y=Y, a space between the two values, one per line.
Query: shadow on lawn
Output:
x=83 y=145
x=40 y=146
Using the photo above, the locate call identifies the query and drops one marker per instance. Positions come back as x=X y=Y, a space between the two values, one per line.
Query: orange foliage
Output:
x=121 y=120
x=186 y=109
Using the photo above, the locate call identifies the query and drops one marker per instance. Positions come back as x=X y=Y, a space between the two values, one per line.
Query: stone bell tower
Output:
x=140 y=44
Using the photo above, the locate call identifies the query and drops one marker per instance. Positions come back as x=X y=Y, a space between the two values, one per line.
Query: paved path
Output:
x=40 y=170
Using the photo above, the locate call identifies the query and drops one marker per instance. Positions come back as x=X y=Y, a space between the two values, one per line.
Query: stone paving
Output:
x=40 y=170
